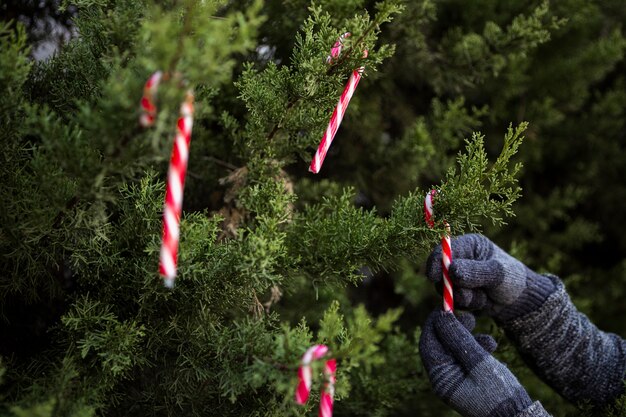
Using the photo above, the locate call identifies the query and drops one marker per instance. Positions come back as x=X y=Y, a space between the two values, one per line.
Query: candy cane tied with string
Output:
x=340 y=109
x=176 y=174
x=303 y=390
x=446 y=246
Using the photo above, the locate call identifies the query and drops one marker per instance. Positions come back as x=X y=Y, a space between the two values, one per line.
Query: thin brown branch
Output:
x=220 y=162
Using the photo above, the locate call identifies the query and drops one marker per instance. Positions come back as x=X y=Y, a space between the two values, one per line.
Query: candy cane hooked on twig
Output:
x=446 y=260
x=177 y=171
x=337 y=47
x=303 y=390
x=148 y=105
x=340 y=109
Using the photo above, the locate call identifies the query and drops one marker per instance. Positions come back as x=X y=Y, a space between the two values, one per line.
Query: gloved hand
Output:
x=465 y=375
x=486 y=278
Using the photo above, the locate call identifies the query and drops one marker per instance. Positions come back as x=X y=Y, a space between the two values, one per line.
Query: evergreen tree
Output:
x=272 y=258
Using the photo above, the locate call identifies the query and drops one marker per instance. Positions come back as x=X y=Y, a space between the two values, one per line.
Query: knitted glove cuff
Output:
x=555 y=302
x=534 y=410
x=568 y=352
x=539 y=288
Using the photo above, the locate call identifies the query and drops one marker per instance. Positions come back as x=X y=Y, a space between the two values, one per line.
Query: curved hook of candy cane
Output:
x=428 y=208
x=148 y=100
x=335 y=51
x=313 y=353
x=303 y=389
x=446 y=246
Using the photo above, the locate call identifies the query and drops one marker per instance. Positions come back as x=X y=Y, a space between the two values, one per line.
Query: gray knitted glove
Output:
x=489 y=279
x=465 y=375
x=567 y=351
x=564 y=348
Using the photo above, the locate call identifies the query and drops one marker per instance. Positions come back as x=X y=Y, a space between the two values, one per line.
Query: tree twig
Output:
x=220 y=162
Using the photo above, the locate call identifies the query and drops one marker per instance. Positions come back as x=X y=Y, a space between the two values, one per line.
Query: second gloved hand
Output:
x=487 y=278
x=465 y=375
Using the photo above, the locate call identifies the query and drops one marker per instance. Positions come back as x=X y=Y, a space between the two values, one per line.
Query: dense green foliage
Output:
x=272 y=258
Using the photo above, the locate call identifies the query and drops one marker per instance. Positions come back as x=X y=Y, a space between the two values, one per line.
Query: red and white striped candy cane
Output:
x=148 y=106
x=177 y=171
x=174 y=192
x=328 y=393
x=340 y=109
x=337 y=47
x=303 y=390
x=448 y=299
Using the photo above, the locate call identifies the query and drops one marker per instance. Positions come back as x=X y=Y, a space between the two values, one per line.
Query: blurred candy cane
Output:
x=337 y=47
x=173 y=207
x=446 y=260
x=148 y=105
x=340 y=109
x=303 y=390
x=328 y=393
x=174 y=192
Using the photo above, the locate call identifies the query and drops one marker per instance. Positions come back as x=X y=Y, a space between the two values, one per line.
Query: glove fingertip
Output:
x=467 y=320
x=433 y=265
x=447 y=320
x=459 y=269
x=470 y=299
x=487 y=342
x=430 y=348
x=458 y=340
x=476 y=274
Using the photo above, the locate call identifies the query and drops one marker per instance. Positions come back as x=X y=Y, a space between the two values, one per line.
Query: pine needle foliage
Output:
x=273 y=259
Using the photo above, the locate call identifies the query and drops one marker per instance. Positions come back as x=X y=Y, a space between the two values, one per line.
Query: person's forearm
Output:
x=571 y=354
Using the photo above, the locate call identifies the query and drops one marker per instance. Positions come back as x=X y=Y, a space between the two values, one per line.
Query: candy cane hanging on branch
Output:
x=340 y=109
x=148 y=101
x=446 y=247
x=305 y=379
x=168 y=258
x=335 y=51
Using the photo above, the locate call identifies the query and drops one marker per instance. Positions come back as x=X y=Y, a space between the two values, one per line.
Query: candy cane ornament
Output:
x=303 y=390
x=328 y=393
x=148 y=105
x=446 y=246
x=340 y=109
x=174 y=192
x=176 y=174
x=335 y=51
